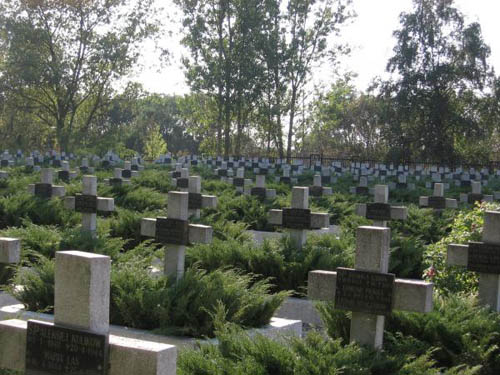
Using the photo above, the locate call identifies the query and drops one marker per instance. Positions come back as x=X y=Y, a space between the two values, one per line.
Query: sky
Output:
x=369 y=35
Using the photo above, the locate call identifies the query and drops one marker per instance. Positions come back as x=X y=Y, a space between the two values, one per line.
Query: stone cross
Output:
x=299 y=219
x=317 y=190
x=362 y=188
x=85 y=168
x=117 y=179
x=483 y=258
x=30 y=165
x=79 y=341
x=286 y=179
x=368 y=290
x=260 y=191
x=64 y=174
x=181 y=179
x=476 y=195
x=89 y=203
x=127 y=172
x=381 y=211
x=240 y=182
x=10 y=252
x=176 y=233
x=196 y=201
x=45 y=189
x=437 y=201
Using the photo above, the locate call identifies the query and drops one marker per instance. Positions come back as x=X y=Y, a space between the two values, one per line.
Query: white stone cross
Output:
x=483 y=258
x=476 y=195
x=176 y=233
x=317 y=190
x=380 y=211
x=80 y=328
x=196 y=200
x=117 y=179
x=89 y=203
x=127 y=171
x=368 y=290
x=240 y=182
x=437 y=201
x=260 y=191
x=85 y=168
x=65 y=174
x=10 y=252
x=45 y=189
x=299 y=219
x=362 y=188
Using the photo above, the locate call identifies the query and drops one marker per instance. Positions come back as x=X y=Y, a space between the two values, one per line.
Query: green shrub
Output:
x=36 y=239
x=158 y=180
x=141 y=199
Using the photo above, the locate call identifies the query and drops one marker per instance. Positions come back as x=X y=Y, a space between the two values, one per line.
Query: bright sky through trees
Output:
x=370 y=37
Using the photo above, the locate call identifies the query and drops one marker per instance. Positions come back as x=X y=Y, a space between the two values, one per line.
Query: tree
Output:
x=155 y=144
x=62 y=57
x=441 y=75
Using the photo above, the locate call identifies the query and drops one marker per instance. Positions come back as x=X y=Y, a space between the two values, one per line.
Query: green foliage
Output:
x=467 y=226
x=287 y=266
x=36 y=239
x=139 y=198
x=237 y=353
x=188 y=307
x=155 y=145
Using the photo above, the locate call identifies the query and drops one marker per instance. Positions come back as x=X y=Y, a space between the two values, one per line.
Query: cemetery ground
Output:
x=234 y=283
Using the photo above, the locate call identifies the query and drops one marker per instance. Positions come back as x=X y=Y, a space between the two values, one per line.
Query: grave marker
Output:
x=437 y=201
x=78 y=341
x=299 y=218
x=368 y=290
x=89 y=203
x=175 y=232
x=483 y=258
x=45 y=189
x=380 y=211
x=476 y=195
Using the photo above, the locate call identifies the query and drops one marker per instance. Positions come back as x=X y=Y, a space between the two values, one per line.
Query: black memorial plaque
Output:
x=362 y=190
x=263 y=171
x=86 y=203
x=115 y=181
x=401 y=185
x=238 y=182
x=5 y=163
x=194 y=162
x=317 y=168
x=56 y=163
x=484 y=258
x=258 y=192
x=63 y=176
x=84 y=169
x=43 y=190
x=473 y=198
x=297 y=218
x=126 y=173
x=255 y=165
x=438 y=203
x=195 y=201
x=176 y=174
x=338 y=170
x=295 y=168
x=378 y=211
x=363 y=291
x=172 y=231
x=382 y=173
x=183 y=183
x=105 y=164
x=230 y=164
x=316 y=191
x=54 y=350
x=464 y=183
x=218 y=163
x=134 y=167
x=222 y=172
x=241 y=164
x=325 y=180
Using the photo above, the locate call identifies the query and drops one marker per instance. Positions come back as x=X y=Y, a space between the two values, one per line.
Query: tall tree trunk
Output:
x=238 y=128
x=290 y=124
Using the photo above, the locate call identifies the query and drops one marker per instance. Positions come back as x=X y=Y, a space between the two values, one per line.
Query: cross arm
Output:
x=397 y=212
x=103 y=204
x=457 y=255
x=57 y=191
x=449 y=202
x=197 y=233
x=408 y=295
x=318 y=219
x=126 y=355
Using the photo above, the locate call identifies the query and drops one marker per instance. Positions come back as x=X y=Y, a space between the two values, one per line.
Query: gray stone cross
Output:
x=260 y=191
x=380 y=211
x=89 y=203
x=317 y=190
x=476 y=195
x=437 y=201
x=46 y=189
x=176 y=233
x=483 y=258
x=79 y=341
x=240 y=182
x=196 y=200
x=299 y=219
x=368 y=290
